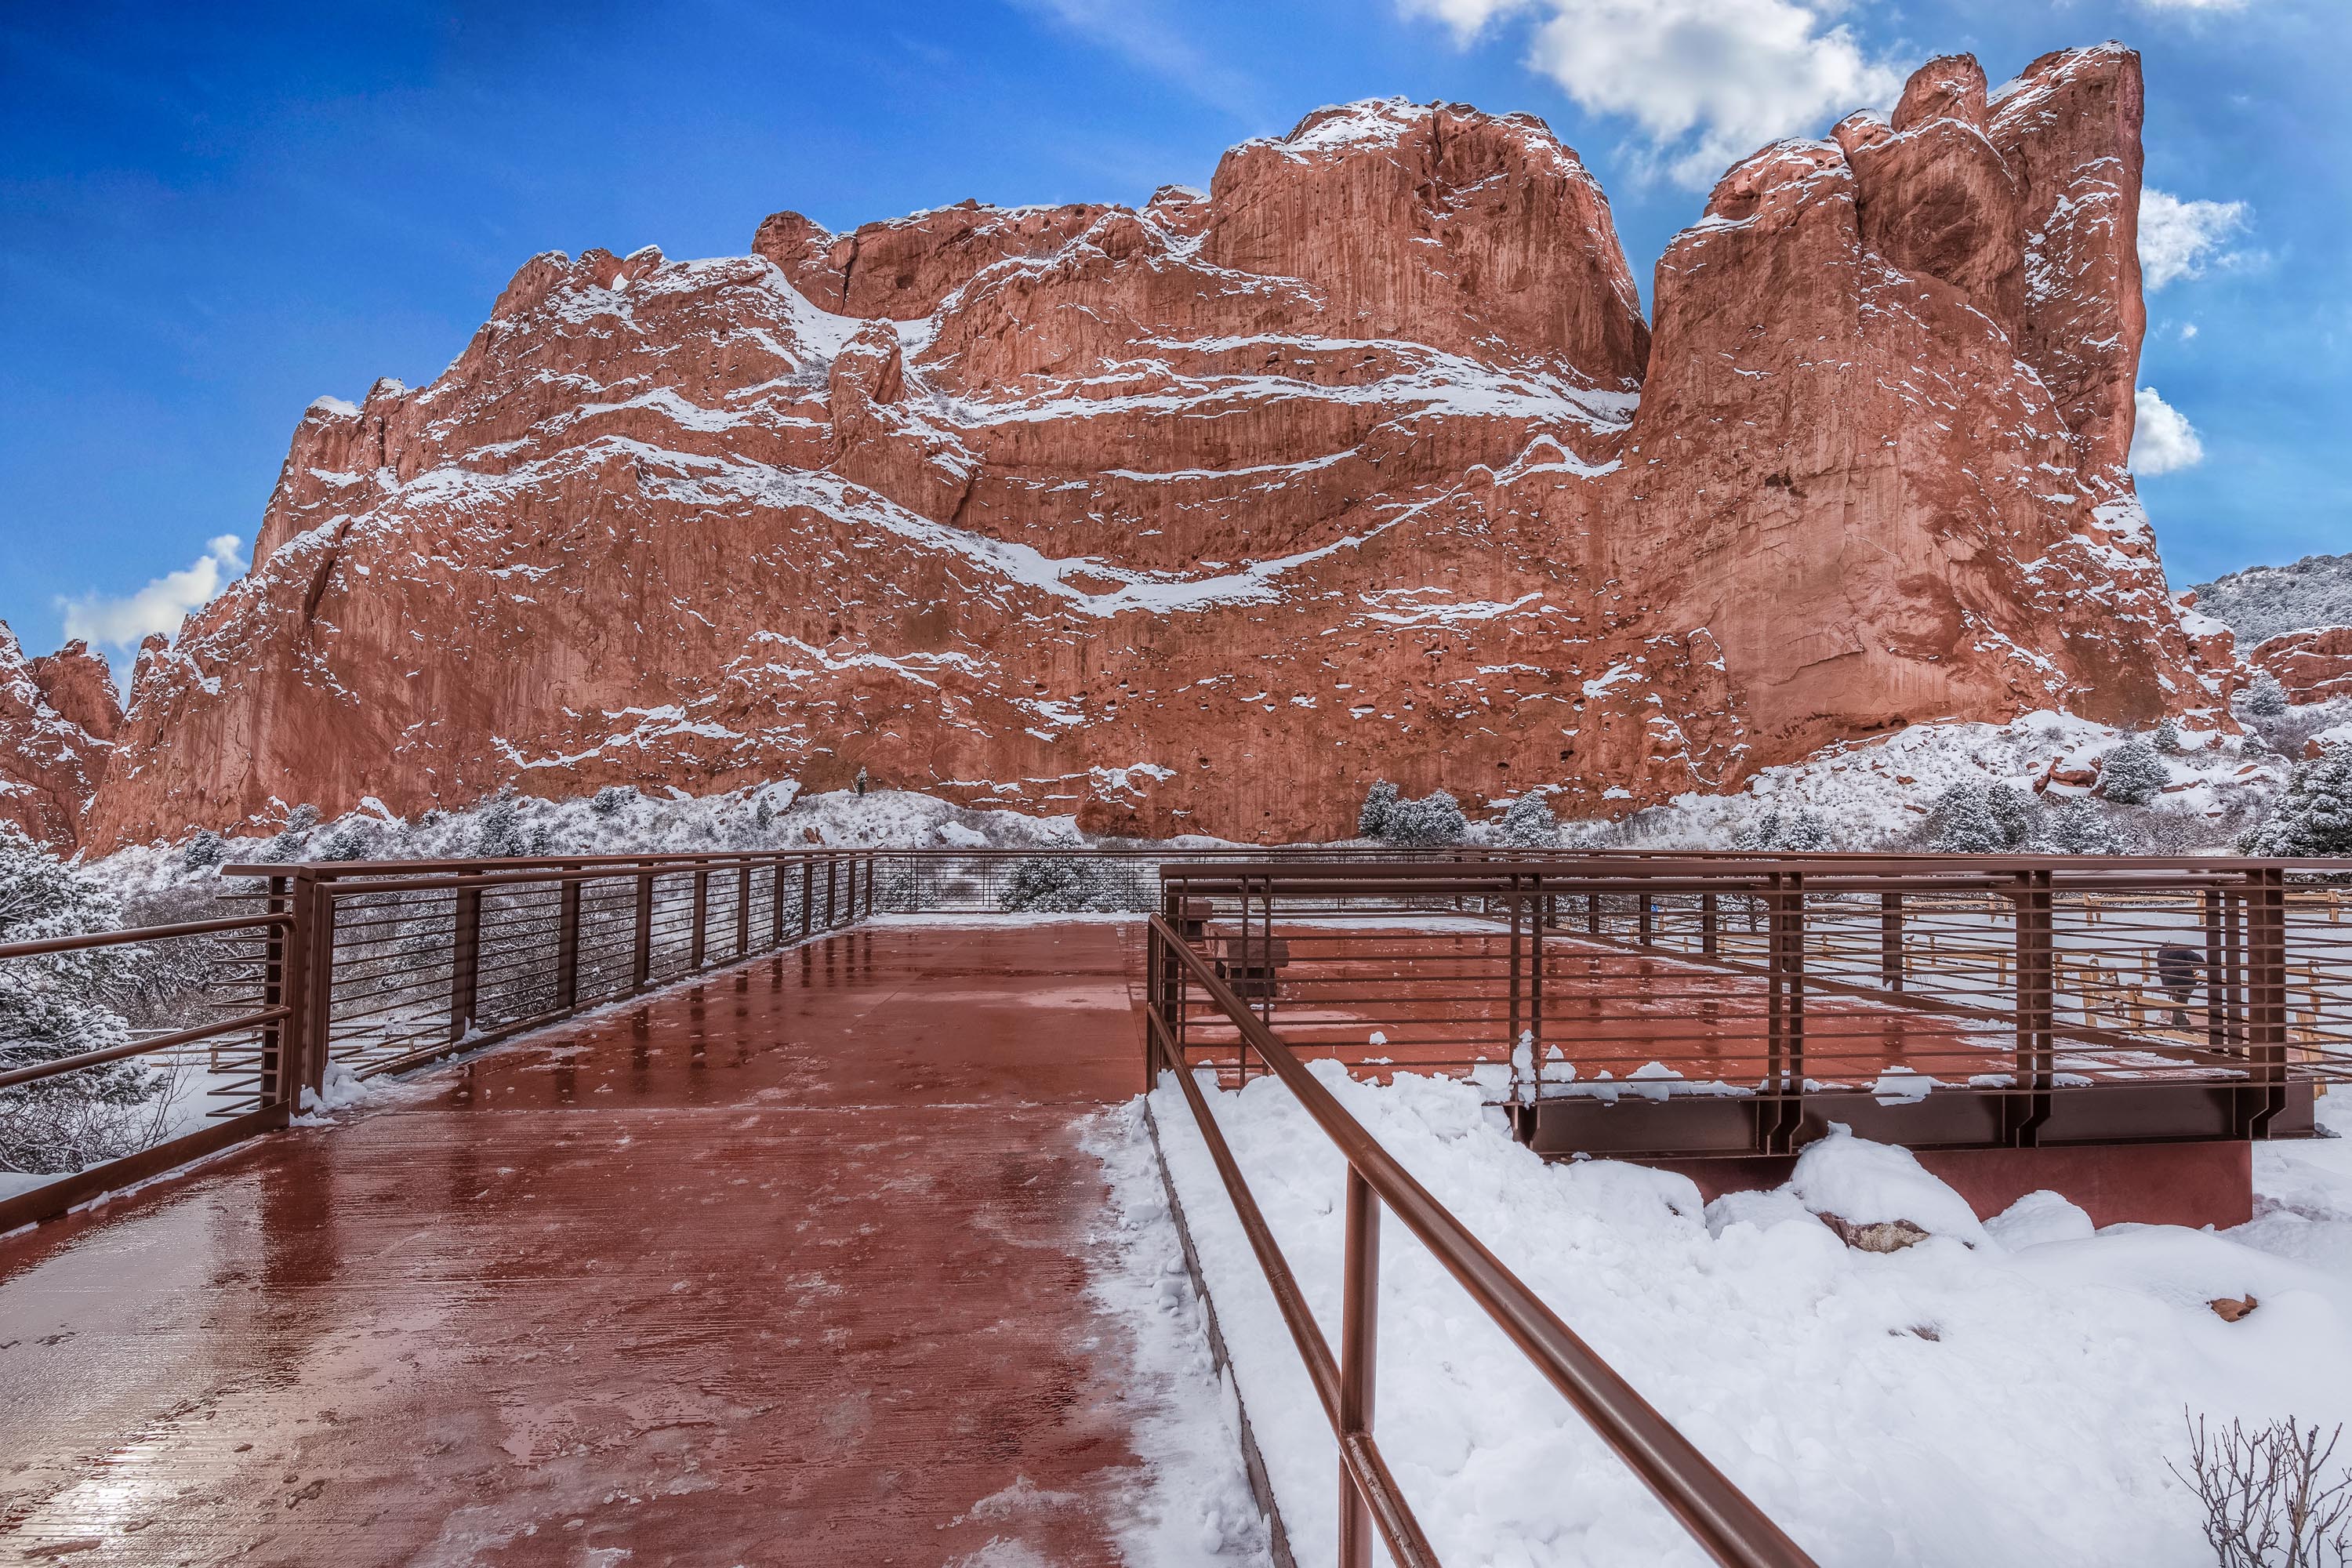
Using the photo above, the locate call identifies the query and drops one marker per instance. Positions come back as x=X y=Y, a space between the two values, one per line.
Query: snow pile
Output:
x=2009 y=1394
x=1193 y=1503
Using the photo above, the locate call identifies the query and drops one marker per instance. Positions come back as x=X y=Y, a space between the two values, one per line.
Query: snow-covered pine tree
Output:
x=499 y=833
x=204 y=852
x=1961 y=823
x=1433 y=820
x=612 y=800
x=1372 y=819
x=2168 y=737
x=292 y=842
x=2133 y=774
x=1779 y=832
x=52 y=1007
x=2078 y=827
x=1528 y=824
x=2315 y=815
x=2015 y=813
x=354 y=840
x=2263 y=697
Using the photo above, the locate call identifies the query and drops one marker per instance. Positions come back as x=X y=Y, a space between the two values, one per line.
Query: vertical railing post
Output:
x=776 y=902
x=742 y=908
x=2217 y=1034
x=466 y=959
x=2036 y=1003
x=281 y=968
x=701 y=916
x=1359 y=1331
x=1536 y=983
x=832 y=887
x=567 y=941
x=1890 y=941
x=1785 y=1006
x=1709 y=926
x=316 y=1033
x=1517 y=971
x=2265 y=903
x=641 y=962
x=1649 y=918
x=808 y=896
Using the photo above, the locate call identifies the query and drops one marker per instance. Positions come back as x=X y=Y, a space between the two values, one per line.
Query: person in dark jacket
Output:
x=2181 y=971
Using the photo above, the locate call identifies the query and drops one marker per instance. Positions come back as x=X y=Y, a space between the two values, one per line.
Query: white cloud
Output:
x=1707 y=82
x=161 y=605
x=2188 y=331
x=2192 y=4
x=2176 y=237
x=2164 y=442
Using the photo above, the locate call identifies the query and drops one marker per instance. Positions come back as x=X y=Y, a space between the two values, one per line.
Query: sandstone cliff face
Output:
x=1199 y=516
x=57 y=715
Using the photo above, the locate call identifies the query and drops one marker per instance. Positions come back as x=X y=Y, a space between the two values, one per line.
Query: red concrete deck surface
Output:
x=787 y=1266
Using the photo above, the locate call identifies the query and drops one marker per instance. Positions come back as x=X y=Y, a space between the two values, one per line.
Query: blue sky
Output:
x=210 y=215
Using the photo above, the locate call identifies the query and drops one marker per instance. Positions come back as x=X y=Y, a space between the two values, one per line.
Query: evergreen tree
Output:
x=52 y=1007
x=204 y=852
x=1528 y=824
x=293 y=840
x=2134 y=774
x=2078 y=827
x=2016 y=815
x=612 y=800
x=1781 y=833
x=2263 y=697
x=1962 y=823
x=2315 y=815
x=352 y=840
x=2168 y=737
x=1433 y=820
x=498 y=835
x=1372 y=820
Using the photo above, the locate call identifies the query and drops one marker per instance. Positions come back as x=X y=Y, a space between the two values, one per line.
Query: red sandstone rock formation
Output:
x=2313 y=665
x=57 y=717
x=1202 y=516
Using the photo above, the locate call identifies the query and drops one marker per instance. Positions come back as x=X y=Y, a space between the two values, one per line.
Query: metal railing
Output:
x=1716 y=1513
x=1981 y=1000
x=409 y=960
x=208 y=1001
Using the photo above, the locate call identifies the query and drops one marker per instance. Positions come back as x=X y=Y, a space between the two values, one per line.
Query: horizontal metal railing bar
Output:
x=1719 y=1515
x=36 y=1071
x=129 y=934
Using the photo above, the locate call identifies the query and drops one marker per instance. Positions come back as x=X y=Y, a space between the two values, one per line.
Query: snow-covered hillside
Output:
x=2263 y=601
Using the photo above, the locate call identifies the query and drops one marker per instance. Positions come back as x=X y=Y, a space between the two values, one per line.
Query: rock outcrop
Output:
x=57 y=719
x=2313 y=666
x=1200 y=516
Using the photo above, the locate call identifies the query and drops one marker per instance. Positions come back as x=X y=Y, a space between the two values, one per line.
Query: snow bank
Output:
x=1193 y=1503
x=2010 y=1395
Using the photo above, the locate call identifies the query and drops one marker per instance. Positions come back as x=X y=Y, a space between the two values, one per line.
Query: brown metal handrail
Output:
x=1718 y=1514
x=268 y=1101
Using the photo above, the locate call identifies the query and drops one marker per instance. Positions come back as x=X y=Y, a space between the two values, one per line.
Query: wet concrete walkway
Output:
x=789 y=1266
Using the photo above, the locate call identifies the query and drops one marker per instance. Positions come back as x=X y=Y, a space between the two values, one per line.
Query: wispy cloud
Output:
x=122 y=624
x=2164 y=441
x=2176 y=237
x=1139 y=32
x=1705 y=83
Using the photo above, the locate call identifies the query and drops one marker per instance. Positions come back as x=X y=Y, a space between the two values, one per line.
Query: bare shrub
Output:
x=2269 y=1499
